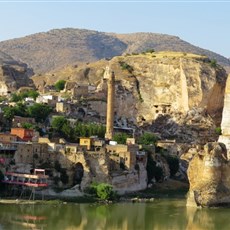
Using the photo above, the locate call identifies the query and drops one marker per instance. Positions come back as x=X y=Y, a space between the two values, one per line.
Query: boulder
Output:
x=208 y=175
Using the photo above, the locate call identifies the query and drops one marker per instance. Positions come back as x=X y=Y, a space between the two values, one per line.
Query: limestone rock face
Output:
x=225 y=123
x=184 y=89
x=13 y=74
x=208 y=175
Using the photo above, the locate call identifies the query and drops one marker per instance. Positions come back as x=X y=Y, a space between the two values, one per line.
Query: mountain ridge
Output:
x=46 y=51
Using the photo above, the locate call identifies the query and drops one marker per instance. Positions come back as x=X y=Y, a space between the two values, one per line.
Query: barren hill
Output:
x=56 y=48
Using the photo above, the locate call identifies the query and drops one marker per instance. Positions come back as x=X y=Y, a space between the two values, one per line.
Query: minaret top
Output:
x=107 y=72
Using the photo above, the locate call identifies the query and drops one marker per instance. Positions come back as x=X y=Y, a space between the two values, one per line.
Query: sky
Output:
x=202 y=23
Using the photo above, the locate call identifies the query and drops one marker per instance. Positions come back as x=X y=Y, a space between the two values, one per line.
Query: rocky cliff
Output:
x=13 y=74
x=179 y=95
x=225 y=123
x=208 y=175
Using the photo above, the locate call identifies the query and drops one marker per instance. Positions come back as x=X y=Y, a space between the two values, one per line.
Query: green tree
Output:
x=27 y=125
x=15 y=97
x=68 y=131
x=18 y=110
x=21 y=110
x=60 y=85
x=58 y=122
x=82 y=129
x=32 y=93
x=147 y=139
x=8 y=113
x=120 y=138
x=39 y=111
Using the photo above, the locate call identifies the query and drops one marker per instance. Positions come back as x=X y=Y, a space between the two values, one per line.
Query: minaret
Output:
x=110 y=104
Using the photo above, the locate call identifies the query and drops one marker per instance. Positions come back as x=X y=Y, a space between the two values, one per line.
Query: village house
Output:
x=63 y=107
x=47 y=99
x=31 y=153
x=23 y=134
x=78 y=90
x=122 y=156
x=18 y=121
x=52 y=146
x=8 y=147
x=7 y=138
x=91 y=143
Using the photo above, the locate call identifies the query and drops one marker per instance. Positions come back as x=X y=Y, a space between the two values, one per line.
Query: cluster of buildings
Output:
x=92 y=159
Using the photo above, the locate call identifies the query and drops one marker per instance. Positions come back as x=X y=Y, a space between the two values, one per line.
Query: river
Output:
x=161 y=214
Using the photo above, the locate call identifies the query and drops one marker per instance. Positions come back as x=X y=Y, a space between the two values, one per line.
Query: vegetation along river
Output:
x=160 y=214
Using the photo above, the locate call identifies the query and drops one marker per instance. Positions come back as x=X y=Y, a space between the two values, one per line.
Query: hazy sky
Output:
x=202 y=23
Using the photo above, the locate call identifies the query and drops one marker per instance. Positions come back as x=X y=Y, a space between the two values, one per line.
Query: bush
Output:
x=126 y=66
x=213 y=63
x=60 y=85
x=120 y=138
x=147 y=139
x=218 y=130
x=16 y=97
x=149 y=51
x=103 y=191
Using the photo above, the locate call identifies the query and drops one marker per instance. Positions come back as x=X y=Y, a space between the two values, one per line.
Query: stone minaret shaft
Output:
x=110 y=106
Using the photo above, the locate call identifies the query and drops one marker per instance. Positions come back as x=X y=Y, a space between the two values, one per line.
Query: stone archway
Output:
x=78 y=173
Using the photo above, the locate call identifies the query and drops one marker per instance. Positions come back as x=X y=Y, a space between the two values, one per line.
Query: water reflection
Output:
x=161 y=214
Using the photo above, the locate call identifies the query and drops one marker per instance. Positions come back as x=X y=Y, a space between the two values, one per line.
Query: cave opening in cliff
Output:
x=79 y=172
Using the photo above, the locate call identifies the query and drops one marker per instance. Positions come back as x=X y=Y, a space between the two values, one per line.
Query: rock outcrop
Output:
x=225 y=123
x=13 y=74
x=208 y=175
x=175 y=93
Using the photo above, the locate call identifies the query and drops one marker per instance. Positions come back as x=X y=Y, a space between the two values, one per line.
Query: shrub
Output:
x=60 y=85
x=218 y=130
x=213 y=63
x=16 y=97
x=150 y=51
x=147 y=139
x=120 y=138
x=27 y=125
x=126 y=66
x=103 y=191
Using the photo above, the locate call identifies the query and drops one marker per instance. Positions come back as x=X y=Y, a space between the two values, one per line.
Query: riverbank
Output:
x=167 y=189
